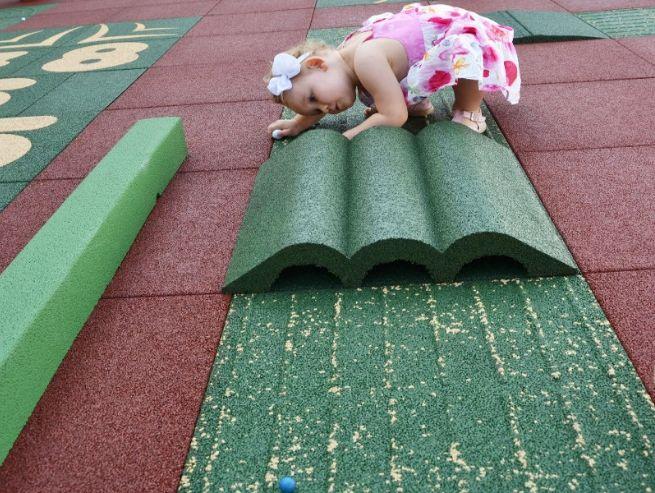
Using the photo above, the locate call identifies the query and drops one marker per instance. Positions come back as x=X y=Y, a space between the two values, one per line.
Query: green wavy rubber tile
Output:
x=505 y=385
x=91 y=92
x=442 y=102
x=8 y=191
x=441 y=198
x=553 y=26
x=53 y=284
x=27 y=95
x=622 y=23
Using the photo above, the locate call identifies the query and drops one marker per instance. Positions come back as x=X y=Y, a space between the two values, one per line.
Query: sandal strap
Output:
x=473 y=116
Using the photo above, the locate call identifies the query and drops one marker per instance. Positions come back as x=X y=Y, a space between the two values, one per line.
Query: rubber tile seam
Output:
x=236 y=34
x=179 y=173
x=260 y=12
x=168 y=295
x=587 y=81
x=635 y=53
x=185 y=104
x=633 y=269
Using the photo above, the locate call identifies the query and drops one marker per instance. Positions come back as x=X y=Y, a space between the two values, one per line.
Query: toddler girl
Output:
x=394 y=62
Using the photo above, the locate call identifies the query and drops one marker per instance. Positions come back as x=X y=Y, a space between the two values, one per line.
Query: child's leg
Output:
x=466 y=108
x=467 y=95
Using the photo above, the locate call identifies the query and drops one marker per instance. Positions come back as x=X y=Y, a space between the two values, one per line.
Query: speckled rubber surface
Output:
x=622 y=23
x=440 y=199
x=70 y=96
x=506 y=385
x=16 y=15
x=538 y=27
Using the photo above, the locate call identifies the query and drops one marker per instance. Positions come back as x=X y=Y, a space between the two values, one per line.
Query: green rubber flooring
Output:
x=48 y=90
x=8 y=192
x=537 y=27
x=622 y=23
x=505 y=385
x=15 y=15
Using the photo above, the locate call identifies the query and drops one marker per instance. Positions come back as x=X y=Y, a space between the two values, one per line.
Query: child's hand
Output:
x=370 y=110
x=287 y=128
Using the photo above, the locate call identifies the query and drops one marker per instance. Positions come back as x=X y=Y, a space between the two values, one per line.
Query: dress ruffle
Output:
x=463 y=44
x=457 y=44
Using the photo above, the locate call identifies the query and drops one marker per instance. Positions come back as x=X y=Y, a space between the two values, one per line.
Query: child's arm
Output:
x=376 y=75
x=294 y=126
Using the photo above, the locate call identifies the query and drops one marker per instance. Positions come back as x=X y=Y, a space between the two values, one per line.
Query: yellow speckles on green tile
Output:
x=505 y=385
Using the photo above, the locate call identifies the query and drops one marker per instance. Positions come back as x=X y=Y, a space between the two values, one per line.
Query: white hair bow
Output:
x=285 y=67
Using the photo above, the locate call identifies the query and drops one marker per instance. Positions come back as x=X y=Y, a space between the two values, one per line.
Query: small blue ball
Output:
x=287 y=485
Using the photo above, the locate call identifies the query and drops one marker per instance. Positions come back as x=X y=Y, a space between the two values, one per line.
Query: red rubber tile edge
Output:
x=119 y=414
x=601 y=202
x=52 y=286
x=628 y=300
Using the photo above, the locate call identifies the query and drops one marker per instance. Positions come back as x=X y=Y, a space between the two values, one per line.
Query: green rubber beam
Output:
x=50 y=289
x=441 y=199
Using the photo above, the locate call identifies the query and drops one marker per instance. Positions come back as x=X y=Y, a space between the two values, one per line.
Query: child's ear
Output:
x=316 y=62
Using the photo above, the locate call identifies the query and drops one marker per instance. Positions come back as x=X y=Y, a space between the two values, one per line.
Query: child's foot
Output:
x=472 y=119
x=424 y=108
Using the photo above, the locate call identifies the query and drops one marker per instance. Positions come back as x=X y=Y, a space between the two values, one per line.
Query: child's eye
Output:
x=312 y=99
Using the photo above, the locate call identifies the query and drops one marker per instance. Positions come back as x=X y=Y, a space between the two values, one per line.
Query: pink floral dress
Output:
x=445 y=43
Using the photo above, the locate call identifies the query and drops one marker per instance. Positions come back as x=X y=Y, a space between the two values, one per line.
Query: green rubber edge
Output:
x=440 y=199
x=16 y=15
x=551 y=26
x=52 y=286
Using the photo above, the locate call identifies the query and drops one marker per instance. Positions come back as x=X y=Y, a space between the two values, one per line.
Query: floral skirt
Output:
x=462 y=45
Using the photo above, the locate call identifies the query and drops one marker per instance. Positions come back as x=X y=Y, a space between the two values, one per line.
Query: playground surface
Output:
x=510 y=384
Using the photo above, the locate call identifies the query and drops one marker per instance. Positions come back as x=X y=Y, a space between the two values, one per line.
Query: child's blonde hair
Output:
x=311 y=46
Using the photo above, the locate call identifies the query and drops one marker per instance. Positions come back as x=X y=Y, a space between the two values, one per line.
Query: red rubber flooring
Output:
x=120 y=412
x=643 y=46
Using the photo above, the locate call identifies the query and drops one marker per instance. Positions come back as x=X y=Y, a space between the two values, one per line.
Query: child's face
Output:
x=322 y=87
